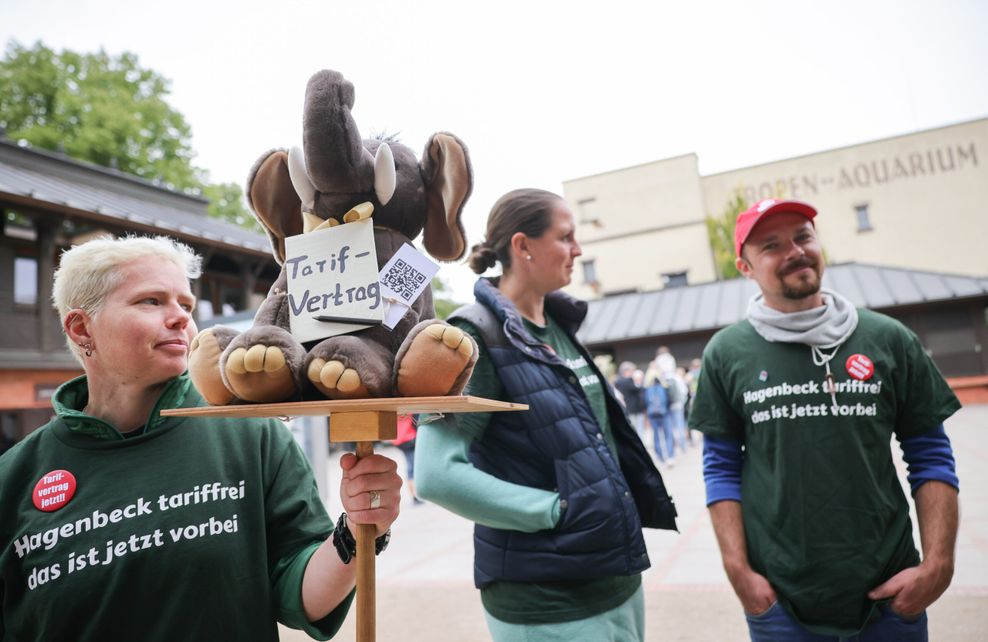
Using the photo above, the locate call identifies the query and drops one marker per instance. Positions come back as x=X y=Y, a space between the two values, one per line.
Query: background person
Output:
x=638 y=376
x=810 y=517
x=678 y=396
x=692 y=381
x=143 y=527
x=632 y=395
x=692 y=378
x=675 y=416
x=657 y=410
x=664 y=360
x=678 y=403
x=560 y=492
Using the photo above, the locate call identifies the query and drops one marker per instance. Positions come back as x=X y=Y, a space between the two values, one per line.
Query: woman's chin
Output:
x=167 y=369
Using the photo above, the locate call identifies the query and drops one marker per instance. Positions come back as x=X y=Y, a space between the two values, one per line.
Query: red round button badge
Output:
x=54 y=490
x=860 y=367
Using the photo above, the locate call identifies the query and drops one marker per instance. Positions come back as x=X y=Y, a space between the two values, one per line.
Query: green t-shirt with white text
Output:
x=194 y=529
x=825 y=516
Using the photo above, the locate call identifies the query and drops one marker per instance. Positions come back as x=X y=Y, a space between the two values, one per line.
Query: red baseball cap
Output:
x=748 y=219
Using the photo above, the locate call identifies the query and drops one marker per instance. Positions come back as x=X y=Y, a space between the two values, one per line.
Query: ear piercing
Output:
x=528 y=257
x=88 y=347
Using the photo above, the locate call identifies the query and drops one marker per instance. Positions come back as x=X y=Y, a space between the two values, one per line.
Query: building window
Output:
x=589 y=212
x=675 y=280
x=45 y=391
x=589 y=272
x=25 y=280
x=864 y=220
x=18 y=226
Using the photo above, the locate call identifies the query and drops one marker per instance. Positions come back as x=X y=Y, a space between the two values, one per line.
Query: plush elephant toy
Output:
x=295 y=192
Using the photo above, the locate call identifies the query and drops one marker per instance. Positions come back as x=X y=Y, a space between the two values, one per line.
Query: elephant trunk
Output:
x=335 y=157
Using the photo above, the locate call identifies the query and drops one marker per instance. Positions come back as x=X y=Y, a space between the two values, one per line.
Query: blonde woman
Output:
x=119 y=524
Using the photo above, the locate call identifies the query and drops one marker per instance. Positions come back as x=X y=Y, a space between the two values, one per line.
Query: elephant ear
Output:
x=448 y=179
x=274 y=201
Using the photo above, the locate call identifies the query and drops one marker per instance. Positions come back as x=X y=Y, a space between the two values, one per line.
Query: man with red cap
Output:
x=798 y=403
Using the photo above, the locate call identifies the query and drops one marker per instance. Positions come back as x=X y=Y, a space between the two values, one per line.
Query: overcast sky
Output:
x=543 y=92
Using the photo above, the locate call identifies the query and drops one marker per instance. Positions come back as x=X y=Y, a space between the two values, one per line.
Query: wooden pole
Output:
x=364 y=428
x=366 y=583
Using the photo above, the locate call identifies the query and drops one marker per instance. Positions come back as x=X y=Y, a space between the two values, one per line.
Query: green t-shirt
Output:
x=196 y=529
x=593 y=387
x=824 y=513
x=546 y=602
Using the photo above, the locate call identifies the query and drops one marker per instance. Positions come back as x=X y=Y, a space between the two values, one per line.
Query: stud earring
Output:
x=528 y=257
x=88 y=347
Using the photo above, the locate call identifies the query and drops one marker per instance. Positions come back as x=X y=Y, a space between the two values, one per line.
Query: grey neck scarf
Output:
x=825 y=327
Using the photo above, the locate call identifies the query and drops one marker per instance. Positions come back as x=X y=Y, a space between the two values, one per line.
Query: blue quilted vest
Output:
x=557 y=445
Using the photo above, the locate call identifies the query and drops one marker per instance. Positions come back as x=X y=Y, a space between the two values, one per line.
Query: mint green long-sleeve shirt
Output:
x=445 y=476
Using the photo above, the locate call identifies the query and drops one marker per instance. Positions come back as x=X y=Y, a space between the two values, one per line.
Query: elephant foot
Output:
x=349 y=367
x=335 y=380
x=260 y=366
x=204 y=364
x=436 y=359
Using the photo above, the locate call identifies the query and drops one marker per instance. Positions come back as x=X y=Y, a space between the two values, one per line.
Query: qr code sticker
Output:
x=404 y=279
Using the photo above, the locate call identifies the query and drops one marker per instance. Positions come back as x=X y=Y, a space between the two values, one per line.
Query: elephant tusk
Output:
x=385 y=177
x=300 y=179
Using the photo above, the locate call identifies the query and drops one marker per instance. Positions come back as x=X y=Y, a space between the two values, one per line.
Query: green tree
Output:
x=226 y=202
x=440 y=299
x=104 y=109
x=110 y=111
x=720 y=231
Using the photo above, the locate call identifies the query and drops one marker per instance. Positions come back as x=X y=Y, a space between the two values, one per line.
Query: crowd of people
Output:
x=194 y=528
x=658 y=400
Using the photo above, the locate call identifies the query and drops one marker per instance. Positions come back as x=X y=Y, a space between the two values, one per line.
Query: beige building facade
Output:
x=917 y=201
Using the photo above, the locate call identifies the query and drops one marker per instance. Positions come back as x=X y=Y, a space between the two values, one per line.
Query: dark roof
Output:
x=710 y=306
x=53 y=181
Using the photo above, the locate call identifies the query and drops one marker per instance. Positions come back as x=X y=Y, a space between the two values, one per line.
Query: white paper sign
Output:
x=333 y=285
x=403 y=279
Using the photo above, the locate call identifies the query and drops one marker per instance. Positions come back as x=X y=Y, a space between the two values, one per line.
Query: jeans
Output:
x=676 y=417
x=776 y=625
x=662 y=426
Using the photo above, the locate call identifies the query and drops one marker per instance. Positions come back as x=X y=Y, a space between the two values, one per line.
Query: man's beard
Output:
x=805 y=287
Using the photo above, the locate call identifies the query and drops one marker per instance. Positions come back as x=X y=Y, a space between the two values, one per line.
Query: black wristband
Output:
x=382 y=542
x=346 y=545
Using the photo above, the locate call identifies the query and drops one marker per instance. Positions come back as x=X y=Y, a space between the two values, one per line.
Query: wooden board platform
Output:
x=403 y=405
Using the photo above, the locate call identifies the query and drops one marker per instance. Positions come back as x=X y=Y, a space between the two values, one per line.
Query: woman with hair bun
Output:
x=559 y=493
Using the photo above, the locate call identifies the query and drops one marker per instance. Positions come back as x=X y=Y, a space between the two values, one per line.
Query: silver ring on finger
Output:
x=375 y=499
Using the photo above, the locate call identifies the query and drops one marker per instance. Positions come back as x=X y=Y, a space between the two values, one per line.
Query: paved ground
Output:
x=426 y=593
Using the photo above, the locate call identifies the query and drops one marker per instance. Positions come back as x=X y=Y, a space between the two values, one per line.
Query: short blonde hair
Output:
x=87 y=273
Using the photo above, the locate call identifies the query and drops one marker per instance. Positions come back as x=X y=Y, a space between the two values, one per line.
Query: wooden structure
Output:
x=49 y=202
x=362 y=421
